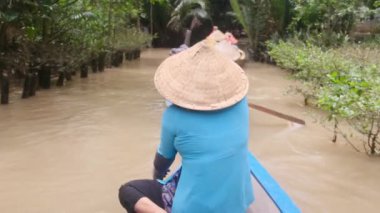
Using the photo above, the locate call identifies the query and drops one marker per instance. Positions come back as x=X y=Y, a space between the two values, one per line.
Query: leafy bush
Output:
x=345 y=82
x=324 y=15
x=38 y=33
x=364 y=53
x=129 y=39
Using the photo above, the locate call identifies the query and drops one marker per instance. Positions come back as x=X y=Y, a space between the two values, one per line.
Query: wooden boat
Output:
x=269 y=196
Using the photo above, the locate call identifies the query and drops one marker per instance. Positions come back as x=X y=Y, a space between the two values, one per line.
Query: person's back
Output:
x=213 y=146
x=208 y=126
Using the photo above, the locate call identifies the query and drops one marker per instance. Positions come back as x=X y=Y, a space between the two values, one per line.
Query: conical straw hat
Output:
x=201 y=78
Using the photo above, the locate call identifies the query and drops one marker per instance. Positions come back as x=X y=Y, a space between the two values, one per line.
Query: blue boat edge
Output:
x=279 y=197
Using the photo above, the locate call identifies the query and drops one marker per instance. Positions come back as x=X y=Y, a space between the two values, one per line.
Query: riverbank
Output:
x=69 y=149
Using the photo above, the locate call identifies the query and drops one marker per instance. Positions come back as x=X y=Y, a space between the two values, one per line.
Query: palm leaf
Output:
x=183 y=10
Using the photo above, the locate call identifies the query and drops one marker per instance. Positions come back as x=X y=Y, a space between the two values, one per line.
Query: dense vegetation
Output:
x=46 y=37
x=335 y=54
x=345 y=82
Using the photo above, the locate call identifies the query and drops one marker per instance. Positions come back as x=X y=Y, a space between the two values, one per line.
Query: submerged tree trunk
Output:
x=335 y=138
x=61 y=79
x=68 y=76
x=102 y=61
x=117 y=58
x=4 y=88
x=374 y=140
x=33 y=84
x=128 y=56
x=120 y=57
x=27 y=86
x=94 y=65
x=44 y=77
x=84 y=71
x=138 y=53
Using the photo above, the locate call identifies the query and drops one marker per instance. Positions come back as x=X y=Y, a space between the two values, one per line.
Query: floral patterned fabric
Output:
x=168 y=190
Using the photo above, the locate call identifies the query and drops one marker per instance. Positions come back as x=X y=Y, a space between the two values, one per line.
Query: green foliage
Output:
x=65 y=31
x=376 y=4
x=260 y=20
x=130 y=39
x=253 y=15
x=344 y=82
x=330 y=23
x=324 y=15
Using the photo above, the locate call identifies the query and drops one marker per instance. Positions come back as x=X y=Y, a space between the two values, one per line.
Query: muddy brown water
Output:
x=69 y=149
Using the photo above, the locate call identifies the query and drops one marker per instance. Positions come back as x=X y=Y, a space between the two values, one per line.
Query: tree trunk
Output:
x=114 y=59
x=27 y=86
x=44 y=77
x=120 y=57
x=335 y=138
x=94 y=65
x=138 y=53
x=61 y=79
x=33 y=84
x=373 y=141
x=102 y=62
x=68 y=76
x=151 y=18
x=134 y=54
x=3 y=37
x=4 y=88
x=129 y=55
x=84 y=71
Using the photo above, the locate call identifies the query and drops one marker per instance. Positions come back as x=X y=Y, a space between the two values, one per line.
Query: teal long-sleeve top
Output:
x=213 y=145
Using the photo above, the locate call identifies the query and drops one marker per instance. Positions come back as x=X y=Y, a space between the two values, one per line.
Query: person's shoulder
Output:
x=241 y=104
x=173 y=110
x=243 y=101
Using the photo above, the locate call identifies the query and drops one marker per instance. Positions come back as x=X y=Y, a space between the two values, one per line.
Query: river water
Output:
x=69 y=149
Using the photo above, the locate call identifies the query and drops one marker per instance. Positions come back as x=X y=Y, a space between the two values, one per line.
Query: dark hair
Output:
x=202 y=31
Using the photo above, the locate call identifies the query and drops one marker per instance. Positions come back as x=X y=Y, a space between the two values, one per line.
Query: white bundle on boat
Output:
x=178 y=49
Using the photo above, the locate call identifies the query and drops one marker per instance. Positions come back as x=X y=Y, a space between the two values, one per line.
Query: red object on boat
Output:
x=231 y=38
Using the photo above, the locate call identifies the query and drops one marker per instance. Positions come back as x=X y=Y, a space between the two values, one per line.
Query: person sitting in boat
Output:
x=208 y=126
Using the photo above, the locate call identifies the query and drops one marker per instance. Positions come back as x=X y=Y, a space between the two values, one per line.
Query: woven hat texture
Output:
x=201 y=78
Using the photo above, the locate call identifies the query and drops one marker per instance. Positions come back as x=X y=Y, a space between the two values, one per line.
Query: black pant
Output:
x=132 y=191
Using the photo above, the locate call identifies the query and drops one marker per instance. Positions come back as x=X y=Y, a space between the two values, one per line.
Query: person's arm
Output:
x=161 y=166
x=194 y=24
x=187 y=38
x=166 y=151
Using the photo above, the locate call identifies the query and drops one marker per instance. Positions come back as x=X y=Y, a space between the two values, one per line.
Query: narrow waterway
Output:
x=69 y=149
